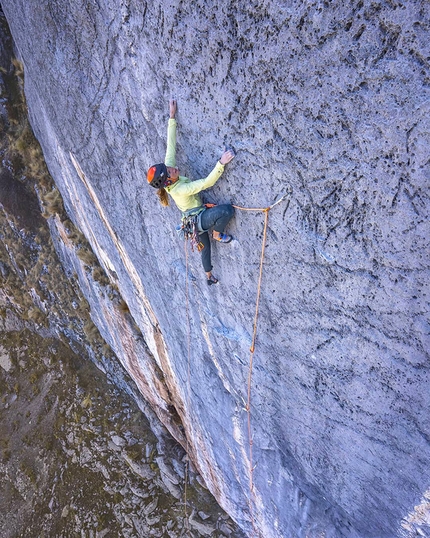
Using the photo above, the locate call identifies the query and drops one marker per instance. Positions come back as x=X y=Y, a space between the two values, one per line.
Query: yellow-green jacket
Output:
x=185 y=192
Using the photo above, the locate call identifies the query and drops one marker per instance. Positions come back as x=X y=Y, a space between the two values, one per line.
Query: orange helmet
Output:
x=157 y=175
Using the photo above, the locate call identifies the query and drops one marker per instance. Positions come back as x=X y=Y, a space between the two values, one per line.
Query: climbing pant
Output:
x=217 y=218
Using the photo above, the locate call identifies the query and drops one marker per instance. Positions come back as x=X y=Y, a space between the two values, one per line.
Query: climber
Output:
x=196 y=216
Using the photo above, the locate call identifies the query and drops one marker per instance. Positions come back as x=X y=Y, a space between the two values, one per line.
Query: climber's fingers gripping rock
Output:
x=227 y=156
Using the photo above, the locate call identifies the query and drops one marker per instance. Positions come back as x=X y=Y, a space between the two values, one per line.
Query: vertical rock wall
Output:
x=330 y=99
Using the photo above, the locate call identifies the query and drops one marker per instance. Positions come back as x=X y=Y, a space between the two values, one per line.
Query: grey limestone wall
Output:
x=329 y=100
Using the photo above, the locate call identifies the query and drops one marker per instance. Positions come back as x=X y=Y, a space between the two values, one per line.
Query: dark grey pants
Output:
x=217 y=218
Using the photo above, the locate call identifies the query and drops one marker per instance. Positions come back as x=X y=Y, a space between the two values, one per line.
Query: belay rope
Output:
x=187 y=464
x=266 y=211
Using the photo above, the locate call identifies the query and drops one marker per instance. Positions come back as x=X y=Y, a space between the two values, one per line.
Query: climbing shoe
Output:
x=223 y=238
x=212 y=280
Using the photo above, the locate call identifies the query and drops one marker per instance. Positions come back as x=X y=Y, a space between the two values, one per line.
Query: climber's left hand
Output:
x=227 y=156
x=172 y=107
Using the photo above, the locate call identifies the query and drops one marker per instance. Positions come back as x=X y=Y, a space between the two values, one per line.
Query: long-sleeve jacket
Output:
x=184 y=191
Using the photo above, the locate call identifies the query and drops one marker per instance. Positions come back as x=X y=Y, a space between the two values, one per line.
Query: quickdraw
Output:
x=189 y=231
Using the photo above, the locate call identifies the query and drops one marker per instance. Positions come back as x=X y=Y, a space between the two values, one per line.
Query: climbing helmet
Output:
x=157 y=175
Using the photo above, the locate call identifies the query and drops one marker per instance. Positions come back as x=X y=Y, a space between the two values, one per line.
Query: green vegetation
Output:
x=87 y=402
x=87 y=256
x=91 y=332
x=100 y=276
x=53 y=203
x=75 y=235
x=123 y=306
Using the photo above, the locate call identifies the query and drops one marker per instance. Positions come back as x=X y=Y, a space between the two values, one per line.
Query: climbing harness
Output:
x=189 y=228
x=266 y=211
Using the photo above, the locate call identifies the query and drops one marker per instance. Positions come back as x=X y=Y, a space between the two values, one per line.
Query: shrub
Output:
x=53 y=203
x=123 y=306
x=100 y=276
x=87 y=256
x=36 y=315
x=75 y=235
x=91 y=332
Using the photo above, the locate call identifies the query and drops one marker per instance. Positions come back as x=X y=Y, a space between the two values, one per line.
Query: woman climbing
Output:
x=195 y=216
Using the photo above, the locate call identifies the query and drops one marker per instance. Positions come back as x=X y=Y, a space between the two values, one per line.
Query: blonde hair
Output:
x=163 y=196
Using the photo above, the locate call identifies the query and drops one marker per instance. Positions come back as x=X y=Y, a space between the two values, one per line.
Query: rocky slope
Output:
x=78 y=458
x=327 y=99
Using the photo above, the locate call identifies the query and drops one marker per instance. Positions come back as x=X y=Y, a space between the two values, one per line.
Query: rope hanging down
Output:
x=187 y=463
x=264 y=210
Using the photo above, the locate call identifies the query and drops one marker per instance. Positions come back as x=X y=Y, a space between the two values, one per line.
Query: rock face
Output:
x=327 y=99
x=77 y=455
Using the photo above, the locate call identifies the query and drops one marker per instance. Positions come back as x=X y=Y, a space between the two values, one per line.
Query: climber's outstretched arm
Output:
x=170 y=158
